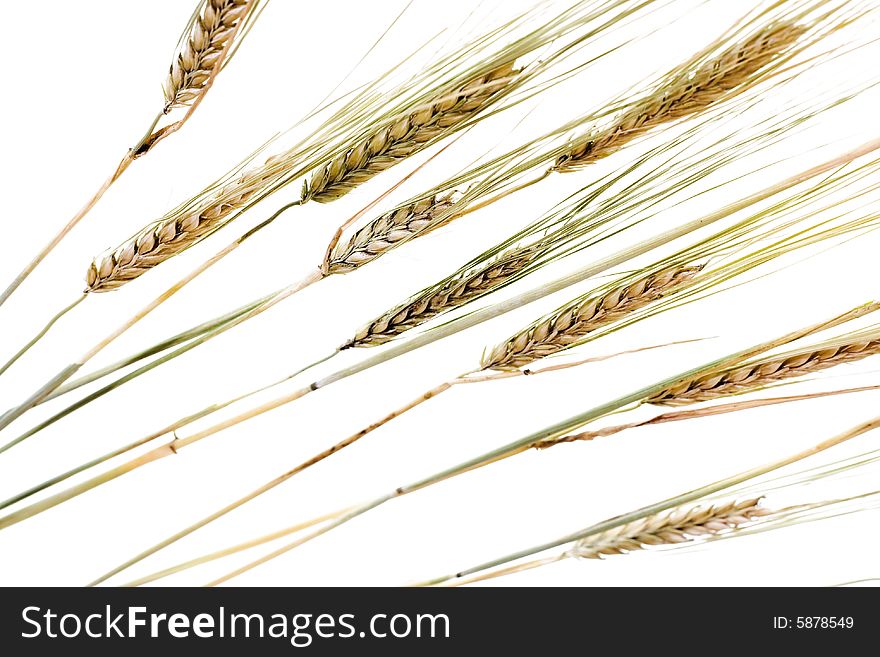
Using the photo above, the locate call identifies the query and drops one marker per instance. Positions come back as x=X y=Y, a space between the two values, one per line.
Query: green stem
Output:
x=21 y=352
x=159 y=347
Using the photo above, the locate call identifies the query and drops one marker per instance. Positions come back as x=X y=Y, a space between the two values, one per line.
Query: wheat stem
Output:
x=510 y=570
x=219 y=554
x=21 y=352
x=688 y=414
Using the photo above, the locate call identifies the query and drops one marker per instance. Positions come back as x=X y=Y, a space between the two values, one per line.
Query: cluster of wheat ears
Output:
x=639 y=159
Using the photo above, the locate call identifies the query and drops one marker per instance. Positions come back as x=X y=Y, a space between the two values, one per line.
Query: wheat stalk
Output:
x=210 y=33
x=568 y=325
x=687 y=93
x=768 y=371
x=405 y=136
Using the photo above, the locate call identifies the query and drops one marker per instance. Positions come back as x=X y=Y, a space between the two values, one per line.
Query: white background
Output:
x=81 y=80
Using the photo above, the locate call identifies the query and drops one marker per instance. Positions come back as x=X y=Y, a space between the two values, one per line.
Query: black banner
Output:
x=281 y=621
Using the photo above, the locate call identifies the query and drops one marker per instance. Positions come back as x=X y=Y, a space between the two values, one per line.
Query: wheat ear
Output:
x=405 y=136
x=452 y=294
x=211 y=31
x=686 y=93
x=669 y=528
x=568 y=325
x=178 y=231
x=752 y=376
x=674 y=527
x=389 y=230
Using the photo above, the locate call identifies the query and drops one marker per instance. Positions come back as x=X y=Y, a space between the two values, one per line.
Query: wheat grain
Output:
x=752 y=376
x=210 y=33
x=669 y=528
x=389 y=230
x=686 y=94
x=569 y=324
x=451 y=294
x=405 y=136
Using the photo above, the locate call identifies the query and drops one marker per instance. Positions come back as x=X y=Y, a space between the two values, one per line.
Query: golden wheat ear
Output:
x=405 y=136
x=686 y=93
x=210 y=33
x=569 y=324
x=457 y=292
x=765 y=372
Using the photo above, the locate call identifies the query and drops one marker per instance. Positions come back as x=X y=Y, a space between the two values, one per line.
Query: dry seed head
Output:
x=689 y=93
x=173 y=234
x=405 y=136
x=392 y=228
x=452 y=294
x=753 y=376
x=568 y=325
x=210 y=33
x=669 y=528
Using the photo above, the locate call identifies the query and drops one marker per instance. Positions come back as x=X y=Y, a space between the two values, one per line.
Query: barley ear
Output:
x=393 y=228
x=405 y=136
x=685 y=94
x=572 y=322
x=673 y=527
x=765 y=372
x=210 y=32
x=440 y=299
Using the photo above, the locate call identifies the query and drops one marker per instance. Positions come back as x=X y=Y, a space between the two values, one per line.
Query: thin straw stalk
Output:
x=219 y=554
